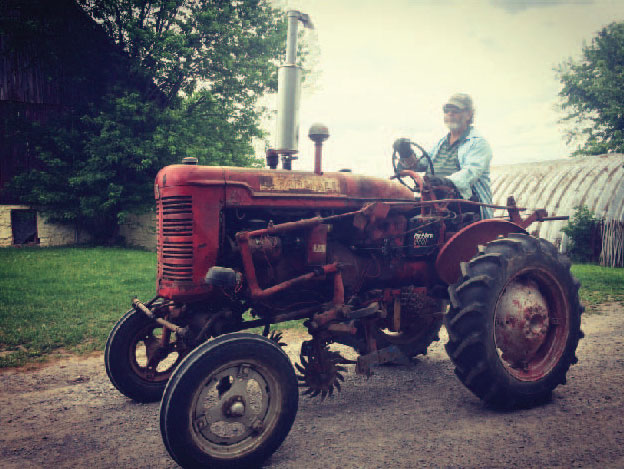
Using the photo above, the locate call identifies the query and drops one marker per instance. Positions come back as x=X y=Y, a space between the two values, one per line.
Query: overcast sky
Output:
x=385 y=68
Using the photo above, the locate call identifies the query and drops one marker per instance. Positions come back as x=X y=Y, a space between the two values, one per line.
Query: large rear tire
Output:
x=514 y=321
x=130 y=345
x=230 y=403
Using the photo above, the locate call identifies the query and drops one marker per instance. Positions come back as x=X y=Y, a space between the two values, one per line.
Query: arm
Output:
x=474 y=162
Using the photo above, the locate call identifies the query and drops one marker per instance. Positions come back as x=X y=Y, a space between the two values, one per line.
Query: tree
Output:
x=593 y=93
x=584 y=233
x=193 y=71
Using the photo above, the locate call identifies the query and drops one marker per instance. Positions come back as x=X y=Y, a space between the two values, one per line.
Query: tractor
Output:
x=378 y=265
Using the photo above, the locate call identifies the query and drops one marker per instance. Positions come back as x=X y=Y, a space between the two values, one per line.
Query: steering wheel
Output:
x=402 y=150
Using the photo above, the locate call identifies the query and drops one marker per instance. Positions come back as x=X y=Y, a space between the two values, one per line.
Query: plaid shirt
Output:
x=473 y=171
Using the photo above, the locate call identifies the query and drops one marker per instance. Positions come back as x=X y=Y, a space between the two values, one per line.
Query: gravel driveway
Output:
x=67 y=414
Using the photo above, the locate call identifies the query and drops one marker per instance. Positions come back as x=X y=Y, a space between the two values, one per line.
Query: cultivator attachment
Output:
x=321 y=370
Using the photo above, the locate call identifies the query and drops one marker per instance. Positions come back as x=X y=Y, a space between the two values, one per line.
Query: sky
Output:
x=385 y=68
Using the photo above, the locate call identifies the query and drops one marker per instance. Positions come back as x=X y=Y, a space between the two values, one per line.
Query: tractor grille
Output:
x=172 y=250
x=177 y=272
x=176 y=257
x=177 y=216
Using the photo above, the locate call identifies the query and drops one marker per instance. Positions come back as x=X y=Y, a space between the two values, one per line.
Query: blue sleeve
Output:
x=474 y=161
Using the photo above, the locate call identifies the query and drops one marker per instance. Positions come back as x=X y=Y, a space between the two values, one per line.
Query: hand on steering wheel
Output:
x=404 y=157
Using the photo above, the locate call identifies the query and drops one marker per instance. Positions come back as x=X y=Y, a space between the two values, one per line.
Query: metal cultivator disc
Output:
x=320 y=373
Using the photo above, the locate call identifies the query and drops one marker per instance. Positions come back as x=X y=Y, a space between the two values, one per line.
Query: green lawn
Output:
x=70 y=298
x=599 y=284
x=52 y=298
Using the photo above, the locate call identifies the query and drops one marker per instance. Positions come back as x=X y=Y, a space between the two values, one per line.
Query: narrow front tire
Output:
x=230 y=403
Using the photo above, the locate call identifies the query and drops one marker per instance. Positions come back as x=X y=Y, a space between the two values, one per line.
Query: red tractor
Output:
x=362 y=263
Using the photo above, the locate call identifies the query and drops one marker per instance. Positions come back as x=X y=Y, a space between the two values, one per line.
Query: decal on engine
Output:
x=422 y=239
x=296 y=183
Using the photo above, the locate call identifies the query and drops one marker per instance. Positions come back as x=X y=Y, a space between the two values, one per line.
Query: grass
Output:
x=68 y=299
x=599 y=284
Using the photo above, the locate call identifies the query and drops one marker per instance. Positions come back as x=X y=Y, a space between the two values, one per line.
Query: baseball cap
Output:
x=461 y=101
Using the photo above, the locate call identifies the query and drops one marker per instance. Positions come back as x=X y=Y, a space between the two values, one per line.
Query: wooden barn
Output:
x=596 y=182
x=53 y=58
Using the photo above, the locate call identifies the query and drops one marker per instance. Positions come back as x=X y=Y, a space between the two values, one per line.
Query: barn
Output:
x=53 y=58
x=559 y=186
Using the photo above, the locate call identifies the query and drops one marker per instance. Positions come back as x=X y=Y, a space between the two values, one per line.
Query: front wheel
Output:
x=514 y=321
x=230 y=403
x=139 y=359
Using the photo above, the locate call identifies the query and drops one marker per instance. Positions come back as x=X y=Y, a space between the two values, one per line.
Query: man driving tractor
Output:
x=461 y=159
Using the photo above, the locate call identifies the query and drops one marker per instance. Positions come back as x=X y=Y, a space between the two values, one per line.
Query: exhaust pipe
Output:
x=289 y=91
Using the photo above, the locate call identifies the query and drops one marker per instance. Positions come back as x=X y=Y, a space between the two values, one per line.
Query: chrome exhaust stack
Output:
x=288 y=94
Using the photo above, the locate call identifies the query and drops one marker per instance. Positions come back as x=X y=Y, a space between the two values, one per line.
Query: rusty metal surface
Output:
x=463 y=245
x=560 y=185
x=317 y=245
x=532 y=323
x=249 y=187
x=521 y=323
x=188 y=237
x=163 y=322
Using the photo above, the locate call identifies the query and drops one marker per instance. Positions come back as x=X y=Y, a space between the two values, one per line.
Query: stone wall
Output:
x=49 y=234
x=6 y=234
x=140 y=231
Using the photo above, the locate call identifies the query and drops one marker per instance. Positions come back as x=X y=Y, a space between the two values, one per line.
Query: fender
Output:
x=463 y=245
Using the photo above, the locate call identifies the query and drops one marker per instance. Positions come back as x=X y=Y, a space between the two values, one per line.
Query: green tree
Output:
x=583 y=231
x=592 y=94
x=193 y=71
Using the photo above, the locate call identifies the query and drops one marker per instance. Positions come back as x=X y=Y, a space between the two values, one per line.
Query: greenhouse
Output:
x=596 y=182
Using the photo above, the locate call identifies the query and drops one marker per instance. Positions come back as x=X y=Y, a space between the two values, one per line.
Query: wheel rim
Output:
x=531 y=324
x=235 y=408
x=413 y=333
x=148 y=359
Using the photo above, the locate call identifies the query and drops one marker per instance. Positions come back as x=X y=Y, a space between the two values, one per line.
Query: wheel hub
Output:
x=522 y=322
x=234 y=407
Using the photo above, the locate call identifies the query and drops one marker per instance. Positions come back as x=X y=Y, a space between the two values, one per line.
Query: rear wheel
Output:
x=414 y=339
x=138 y=361
x=514 y=321
x=421 y=320
x=230 y=403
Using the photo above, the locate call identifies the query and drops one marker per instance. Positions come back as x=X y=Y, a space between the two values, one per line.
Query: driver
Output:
x=461 y=159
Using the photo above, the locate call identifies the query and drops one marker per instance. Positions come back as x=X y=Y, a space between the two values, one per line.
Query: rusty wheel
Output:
x=421 y=320
x=514 y=322
x=138 y=359
x=230 y=403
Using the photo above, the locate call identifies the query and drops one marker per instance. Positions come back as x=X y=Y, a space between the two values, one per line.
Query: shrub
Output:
x=583 y=231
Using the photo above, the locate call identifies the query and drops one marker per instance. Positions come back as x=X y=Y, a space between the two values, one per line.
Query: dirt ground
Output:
x=67 y=414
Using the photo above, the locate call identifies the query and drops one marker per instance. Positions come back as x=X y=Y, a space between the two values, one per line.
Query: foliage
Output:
x=593 y=93
x=98 y=167
x=191 y=74
x=582 y=230
x=181 y=43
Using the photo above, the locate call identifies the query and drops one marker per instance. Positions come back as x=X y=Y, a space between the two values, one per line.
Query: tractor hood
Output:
x=280 y=183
